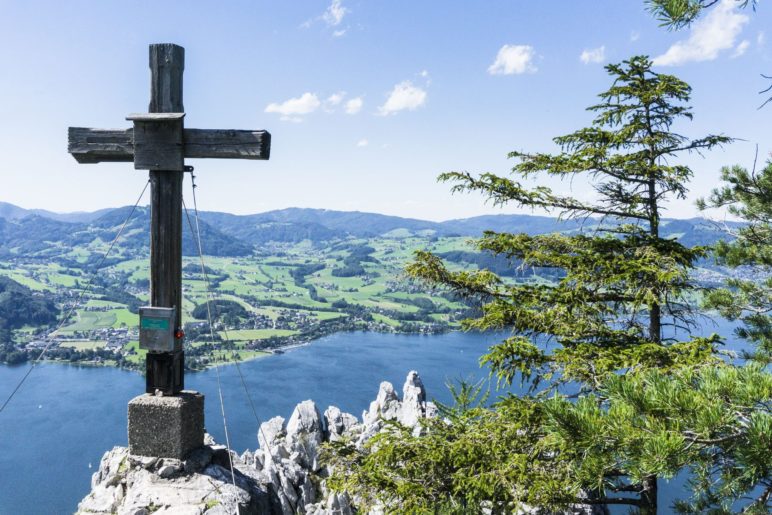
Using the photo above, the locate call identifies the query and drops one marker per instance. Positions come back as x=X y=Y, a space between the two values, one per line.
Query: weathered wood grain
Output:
x=227 y=143
x=167 y=63
x=106 y=145
x=100 y=145
x=158 y=144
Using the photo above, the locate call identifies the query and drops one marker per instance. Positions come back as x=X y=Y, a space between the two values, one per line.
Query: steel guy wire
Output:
x=225 y=330
x=209 y=314
x=211 y=335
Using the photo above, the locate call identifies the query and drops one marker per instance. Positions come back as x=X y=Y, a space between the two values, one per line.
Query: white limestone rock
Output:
x=127 y=489
x=198 y=459
x=180 y=510
x=271 y=433
x=305 y=434
x=386 y=405
x=111 y=463
x=103 y=498
x=432 y=410
x=413 y=405
x=336 y=504
x=133 y=510
x=338 y=423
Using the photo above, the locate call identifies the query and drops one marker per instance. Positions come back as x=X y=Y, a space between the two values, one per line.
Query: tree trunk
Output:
x=649 y=496
x=655 y=323
x=655 y=315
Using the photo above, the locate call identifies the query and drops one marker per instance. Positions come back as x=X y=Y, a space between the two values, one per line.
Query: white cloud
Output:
x=404 y=96
x=354 y=105
x=336 y=98
x=332 y=17
x=333 y=101
x=292 y=109
x=708 y=37
x=594 y=55
x=760 y=38
x=362 y=142
x=335 y=13
x=513 y=59
x=741 y=48
x=635 y=36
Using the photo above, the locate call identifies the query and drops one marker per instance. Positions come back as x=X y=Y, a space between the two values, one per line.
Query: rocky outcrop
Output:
x=288 y=457
x=283 y=476
x=135 y=485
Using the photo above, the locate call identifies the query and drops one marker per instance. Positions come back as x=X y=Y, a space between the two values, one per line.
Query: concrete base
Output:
x=166 y=427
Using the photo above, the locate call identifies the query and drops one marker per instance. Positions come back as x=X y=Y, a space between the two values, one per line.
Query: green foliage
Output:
x=677 y=14
x=19 y=306
x=352 y=264
x=474 y=458
x=226 y=310
x=716 y=420
x=552 y=453
x=498 y=264
x=749 y=196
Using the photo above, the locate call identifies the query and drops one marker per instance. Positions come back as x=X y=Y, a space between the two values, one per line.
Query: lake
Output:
x=55 y=431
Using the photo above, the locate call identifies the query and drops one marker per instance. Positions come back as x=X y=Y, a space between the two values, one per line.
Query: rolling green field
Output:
x=283 y=294
x=289 y=293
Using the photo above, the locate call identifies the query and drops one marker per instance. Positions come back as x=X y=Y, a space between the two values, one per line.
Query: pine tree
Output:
x=622 y=284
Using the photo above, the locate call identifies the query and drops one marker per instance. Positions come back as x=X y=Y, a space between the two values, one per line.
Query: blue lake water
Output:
x=54 y=432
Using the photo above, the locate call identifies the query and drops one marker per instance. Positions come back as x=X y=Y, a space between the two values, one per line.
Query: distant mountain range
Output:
x=38 y=230
x=11 y=212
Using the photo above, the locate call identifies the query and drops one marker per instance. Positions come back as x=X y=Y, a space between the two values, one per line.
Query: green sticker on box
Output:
x=158 y=324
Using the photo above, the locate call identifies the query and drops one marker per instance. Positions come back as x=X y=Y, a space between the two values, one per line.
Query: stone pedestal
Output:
x=167 y=426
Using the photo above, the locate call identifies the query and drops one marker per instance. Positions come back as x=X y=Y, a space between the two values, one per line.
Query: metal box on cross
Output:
x=156 y=329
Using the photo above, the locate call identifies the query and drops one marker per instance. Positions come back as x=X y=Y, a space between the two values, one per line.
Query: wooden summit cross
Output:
x=159 y=143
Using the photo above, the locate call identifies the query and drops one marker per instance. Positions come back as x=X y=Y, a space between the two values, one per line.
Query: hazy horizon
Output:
x=705 y=216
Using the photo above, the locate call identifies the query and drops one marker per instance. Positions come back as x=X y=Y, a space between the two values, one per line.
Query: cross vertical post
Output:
x=165 y=370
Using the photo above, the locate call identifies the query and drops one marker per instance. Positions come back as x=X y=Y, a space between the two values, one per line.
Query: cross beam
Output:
x=117 y=145
x=158 y=142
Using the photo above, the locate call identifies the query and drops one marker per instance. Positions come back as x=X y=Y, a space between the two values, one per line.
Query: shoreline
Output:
x=264 y=354
x=711 y=315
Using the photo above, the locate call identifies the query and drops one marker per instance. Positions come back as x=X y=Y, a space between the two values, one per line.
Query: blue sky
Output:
x=367 y=101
